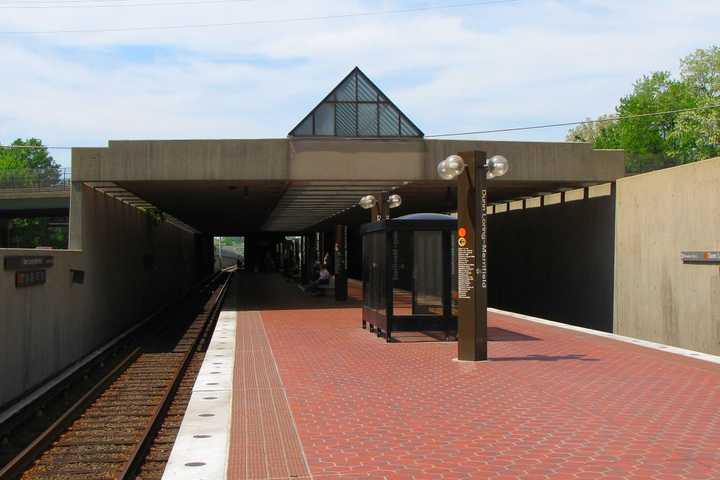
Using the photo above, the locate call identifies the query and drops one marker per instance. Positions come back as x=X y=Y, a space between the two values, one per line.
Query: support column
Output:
x=472 y=258
x=4 y=232
x=340 y=267
x=309 y=252
x=380 y=211
x=75 y=229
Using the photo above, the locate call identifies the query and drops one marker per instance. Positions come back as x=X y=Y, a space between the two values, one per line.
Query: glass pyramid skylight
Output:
x=356 y=108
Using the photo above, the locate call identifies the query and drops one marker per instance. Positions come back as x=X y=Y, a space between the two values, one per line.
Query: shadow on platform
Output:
x=545 y=358
x=272 y=291
x=495 y=334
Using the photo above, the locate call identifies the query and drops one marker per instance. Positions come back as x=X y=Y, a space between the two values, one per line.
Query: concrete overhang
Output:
x=238 y=186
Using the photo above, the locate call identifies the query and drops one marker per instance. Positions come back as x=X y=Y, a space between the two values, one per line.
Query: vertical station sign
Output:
x=472 y=258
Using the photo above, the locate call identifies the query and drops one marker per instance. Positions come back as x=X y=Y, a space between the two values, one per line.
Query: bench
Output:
x=329 y=287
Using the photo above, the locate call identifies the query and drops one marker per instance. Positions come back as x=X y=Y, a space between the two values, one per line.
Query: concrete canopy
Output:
x=228 y=187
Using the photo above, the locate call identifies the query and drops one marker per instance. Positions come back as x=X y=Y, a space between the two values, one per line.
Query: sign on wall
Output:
x=26 y=262
x=30 y=278
x=701 y=258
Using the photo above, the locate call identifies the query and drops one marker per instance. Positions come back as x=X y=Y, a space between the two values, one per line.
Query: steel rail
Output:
x=133 y=464
x=28 y=455
x=25 y=458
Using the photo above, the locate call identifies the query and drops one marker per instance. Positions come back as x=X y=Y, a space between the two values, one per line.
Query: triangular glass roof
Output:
x=356 y=108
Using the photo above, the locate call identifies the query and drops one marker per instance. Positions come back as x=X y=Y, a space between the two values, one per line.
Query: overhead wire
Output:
x=376 y=13
x=56 y=2
x=611 y=118
x=124 y=5
x=476 y=132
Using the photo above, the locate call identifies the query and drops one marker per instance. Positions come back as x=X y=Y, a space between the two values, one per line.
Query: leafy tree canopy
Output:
x=665 y=140
x=28 y=165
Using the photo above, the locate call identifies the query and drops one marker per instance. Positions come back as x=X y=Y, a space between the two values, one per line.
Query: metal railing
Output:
x=35 y=178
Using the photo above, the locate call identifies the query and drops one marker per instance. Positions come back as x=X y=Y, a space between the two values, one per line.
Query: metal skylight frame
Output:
x=345 y=106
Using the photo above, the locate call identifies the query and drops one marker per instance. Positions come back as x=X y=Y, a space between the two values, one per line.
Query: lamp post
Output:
x=472 y=170
x=381 y=209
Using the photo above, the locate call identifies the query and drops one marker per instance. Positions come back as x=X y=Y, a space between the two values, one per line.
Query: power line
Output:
x=568 y=124
x=48 y=147
x=478 y=132
x=268 y=21
x=121 y=5
x=55 y=2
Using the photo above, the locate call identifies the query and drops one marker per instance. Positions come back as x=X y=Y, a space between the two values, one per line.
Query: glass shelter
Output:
x=410 y=275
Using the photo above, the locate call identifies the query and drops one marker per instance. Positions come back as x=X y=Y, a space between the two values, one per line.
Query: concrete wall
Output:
x=334 y=159
x=183 y=160
x=657 y=297
x=536 y=161
x=132 y=266
x=554 y=262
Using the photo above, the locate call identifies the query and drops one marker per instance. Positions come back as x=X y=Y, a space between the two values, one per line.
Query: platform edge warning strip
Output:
x=264 y=439
x=201 y=447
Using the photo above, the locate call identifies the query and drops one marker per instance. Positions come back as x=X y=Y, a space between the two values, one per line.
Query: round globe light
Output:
x=497 y=166
x=367 y=202
x=444 y=172
x=394 y=201
x=456 y=164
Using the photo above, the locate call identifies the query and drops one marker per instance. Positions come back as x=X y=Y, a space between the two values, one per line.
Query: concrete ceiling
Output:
x=231 y=187
x=224 y=207
x=306 y=204
x=219 y=207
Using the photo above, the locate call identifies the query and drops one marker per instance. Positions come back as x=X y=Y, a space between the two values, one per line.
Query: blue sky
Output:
x=472 y=68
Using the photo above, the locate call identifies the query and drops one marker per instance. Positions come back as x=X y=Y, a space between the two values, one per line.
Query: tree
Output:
x=659 y=141
x=697 y=134
x=590 y=131
x=701 y=70
x=28 y=166
x=39 y=232
x=647 y=141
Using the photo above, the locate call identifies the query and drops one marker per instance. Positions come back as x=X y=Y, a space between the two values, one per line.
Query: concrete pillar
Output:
x=4 y=232
x=340 y=267
x=75 y=229
x=309 y=253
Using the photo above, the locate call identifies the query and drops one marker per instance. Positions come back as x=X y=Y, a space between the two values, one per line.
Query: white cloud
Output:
x=450 y=70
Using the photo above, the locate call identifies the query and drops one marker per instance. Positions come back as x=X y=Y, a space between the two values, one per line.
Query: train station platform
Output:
x=313 y=395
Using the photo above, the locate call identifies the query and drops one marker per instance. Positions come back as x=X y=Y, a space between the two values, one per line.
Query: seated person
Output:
x=323 y=279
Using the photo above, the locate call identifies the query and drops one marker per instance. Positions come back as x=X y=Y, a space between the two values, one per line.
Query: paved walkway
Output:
x=550 y=404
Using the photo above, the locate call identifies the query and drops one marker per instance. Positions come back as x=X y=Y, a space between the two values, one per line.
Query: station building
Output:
x=143 y=214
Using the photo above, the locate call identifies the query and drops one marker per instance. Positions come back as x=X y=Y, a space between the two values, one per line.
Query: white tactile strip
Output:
x=635 y=341
x=200 y=451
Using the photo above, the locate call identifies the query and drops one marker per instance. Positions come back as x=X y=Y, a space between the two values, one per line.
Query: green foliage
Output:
x=38 y=232
x=590 y=131
x=28 y=166
x=661 y=141
x=701 y=70
x=20 y=167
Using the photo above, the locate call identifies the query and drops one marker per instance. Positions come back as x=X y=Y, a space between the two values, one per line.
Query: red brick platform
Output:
x=551 y=404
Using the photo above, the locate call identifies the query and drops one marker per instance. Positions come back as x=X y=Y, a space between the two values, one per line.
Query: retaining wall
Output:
x=131 y=266
x=657 y=297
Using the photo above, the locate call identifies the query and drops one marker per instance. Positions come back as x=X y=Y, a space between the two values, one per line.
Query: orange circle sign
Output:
x=462 y=232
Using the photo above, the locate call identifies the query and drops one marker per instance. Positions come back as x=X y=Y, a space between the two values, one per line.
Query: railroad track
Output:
x=127 y=422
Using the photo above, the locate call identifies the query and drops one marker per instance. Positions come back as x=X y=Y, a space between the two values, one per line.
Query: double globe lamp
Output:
x=454 y=165
x=369 y=201
x=448 y=169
